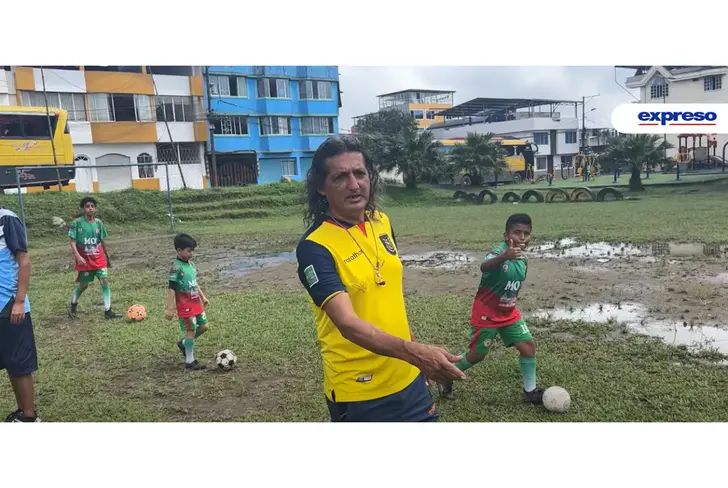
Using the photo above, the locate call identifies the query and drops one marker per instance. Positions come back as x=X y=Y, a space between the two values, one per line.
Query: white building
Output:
x=123 y=115
x=681 y=84
x=537 y=121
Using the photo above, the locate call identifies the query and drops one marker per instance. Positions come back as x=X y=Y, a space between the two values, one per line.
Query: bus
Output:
x=25 y=140
x=519 y=156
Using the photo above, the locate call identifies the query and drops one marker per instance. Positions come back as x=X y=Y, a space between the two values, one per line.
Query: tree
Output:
x=393 y=140
x=479 y=156
x=638 y=150
x=413 y=153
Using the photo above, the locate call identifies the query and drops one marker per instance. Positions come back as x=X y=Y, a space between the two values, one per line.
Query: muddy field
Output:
x=677 y=292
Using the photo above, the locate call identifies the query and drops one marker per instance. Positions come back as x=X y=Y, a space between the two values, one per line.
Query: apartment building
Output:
x=422 y=104
x=123 y=115
x=269 y=120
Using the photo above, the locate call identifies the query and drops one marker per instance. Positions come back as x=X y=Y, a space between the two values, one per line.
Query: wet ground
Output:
x=653 y=289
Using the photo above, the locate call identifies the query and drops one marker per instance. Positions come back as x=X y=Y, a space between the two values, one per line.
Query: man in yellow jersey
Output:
x=348 y=262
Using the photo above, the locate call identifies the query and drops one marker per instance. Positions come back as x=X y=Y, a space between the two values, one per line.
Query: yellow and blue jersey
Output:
x=335 y=259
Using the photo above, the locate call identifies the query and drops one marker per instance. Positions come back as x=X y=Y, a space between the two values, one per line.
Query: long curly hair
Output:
x=316 y=204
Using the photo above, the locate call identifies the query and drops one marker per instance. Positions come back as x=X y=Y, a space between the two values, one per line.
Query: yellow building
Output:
x=422 y=104
x=124 y=115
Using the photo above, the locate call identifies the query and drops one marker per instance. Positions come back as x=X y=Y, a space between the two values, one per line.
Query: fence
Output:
x=28 y=170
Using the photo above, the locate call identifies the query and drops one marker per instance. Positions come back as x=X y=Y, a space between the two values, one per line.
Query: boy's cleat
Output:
x=445 y=391
x=72 y=310
x=534 y=397
x=195 y=365
x=18 y=417
x=109 y=314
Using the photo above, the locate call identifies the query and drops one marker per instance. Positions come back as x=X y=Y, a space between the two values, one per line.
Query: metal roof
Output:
x=477 y=106
x=410 y=90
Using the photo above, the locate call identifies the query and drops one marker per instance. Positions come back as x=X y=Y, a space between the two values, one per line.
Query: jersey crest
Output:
x=388 y=244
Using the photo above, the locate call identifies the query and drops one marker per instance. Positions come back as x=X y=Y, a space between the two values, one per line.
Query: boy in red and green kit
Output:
x=187 y=297
x=494 y=311
x=87 y=234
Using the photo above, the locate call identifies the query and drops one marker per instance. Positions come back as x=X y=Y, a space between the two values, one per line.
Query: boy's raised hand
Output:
x=513 y=252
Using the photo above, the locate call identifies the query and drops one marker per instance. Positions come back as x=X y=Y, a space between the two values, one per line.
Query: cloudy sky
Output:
x=361 y=85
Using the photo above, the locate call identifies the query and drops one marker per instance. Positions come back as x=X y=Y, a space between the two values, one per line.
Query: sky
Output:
x=361 y=85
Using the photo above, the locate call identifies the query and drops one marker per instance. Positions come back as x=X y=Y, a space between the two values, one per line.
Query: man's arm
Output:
x=17 y=244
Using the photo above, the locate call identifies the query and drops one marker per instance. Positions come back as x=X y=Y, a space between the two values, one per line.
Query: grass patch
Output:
x=93 y=370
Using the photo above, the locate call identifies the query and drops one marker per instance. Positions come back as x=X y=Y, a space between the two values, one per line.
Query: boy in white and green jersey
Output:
x=186 y=298
x=494 y=313
x=87 y=234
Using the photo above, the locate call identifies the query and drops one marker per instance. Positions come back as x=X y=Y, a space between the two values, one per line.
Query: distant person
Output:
x=186 y=298
x=87 y=234
x=18 y=355
x=494 y=313
x=349 y=264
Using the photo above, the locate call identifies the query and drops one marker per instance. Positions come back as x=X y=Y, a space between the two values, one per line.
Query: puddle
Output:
x=604 y=252
x=720 y=279
x=438 y=260
x=636 y=318
x=251 y=263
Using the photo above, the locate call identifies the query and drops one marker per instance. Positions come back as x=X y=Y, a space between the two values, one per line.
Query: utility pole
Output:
x=583 y=119
x=50 y=130
x=211 y=128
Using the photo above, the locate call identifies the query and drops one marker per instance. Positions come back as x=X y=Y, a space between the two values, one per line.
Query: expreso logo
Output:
x=676 y=118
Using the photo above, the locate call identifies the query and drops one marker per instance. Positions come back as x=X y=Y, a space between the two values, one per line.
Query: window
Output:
x=712 y=83
x=570 y=137
x=26 y=126
x=659 y=89
x=242 y=86
x=417 y=114
x=317 y=125
x=219 y=85
x=228 y=86
x=316 y=90
x=289 y=167
x=117 y=107
x=145 y=171
x=273 y=88
x=275 y=126
x=567 y=161
x=176 y=109
x=541 y=163
x=430 y=115
x=73 y=103
x=143 y=105
x=172 y=70
x=231 y=126
x=185 y=153
x=541 y=138
x=100 y=107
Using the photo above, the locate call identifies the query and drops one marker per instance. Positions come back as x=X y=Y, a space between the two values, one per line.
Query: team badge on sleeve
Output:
x=388 y=244
x=311 y=277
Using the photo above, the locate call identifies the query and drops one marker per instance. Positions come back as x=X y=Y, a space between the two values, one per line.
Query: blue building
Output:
x=269 y=120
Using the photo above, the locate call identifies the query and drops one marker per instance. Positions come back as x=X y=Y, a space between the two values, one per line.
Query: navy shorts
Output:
x=413 y=404
x=17 y=345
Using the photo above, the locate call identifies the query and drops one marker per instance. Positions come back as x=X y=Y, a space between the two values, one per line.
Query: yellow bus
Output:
x=25 y=140
x=519 y=156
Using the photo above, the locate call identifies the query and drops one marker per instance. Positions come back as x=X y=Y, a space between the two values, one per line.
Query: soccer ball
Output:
x=136 y=313
x=556 y=399
x=226 y=360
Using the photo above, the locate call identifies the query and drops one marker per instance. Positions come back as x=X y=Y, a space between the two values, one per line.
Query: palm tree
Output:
x=638 y=150
x=414 y=154
x=479 y=156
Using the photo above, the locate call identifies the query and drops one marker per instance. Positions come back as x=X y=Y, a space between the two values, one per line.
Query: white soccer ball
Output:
x=556 y=399
x=226 y=360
